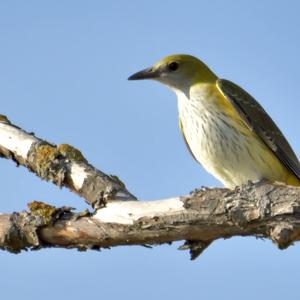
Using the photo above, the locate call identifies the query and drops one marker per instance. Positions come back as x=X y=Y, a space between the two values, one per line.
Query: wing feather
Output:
x=261 y=123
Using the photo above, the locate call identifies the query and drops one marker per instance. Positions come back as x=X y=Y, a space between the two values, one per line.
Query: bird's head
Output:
x=179 y=72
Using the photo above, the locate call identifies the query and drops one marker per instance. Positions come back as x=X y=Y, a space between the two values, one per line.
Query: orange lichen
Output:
x=70 y=152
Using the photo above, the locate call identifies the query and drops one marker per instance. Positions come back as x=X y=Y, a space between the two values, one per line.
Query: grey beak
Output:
x=148 y=73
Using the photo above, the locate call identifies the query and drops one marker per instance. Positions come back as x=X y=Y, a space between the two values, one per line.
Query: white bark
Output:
x=128 y=212
x=260 y=209
x=63 y=165
x=16 y=140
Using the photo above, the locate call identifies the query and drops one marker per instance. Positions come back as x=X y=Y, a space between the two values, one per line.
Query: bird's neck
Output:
x=205 y=94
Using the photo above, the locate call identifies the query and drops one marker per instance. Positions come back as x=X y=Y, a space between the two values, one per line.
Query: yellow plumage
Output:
x=223 y=143
x=226 y=130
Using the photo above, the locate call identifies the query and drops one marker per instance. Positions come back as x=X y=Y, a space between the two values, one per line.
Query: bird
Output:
x=226 y=130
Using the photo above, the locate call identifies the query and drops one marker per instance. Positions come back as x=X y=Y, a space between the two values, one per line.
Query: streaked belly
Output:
x=228 y=149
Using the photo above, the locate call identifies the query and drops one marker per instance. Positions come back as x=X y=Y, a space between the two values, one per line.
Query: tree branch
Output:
x=63 y=165
x=262 y=210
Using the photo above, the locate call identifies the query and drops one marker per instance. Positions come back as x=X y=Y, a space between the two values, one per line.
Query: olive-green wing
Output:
x=261 y=123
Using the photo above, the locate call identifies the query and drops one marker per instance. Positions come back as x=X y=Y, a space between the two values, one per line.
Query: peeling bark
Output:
x=262 y=210
x=63 y=165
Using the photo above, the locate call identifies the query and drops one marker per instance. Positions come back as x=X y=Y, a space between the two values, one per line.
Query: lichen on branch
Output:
x=261 y=209
x=63 y=165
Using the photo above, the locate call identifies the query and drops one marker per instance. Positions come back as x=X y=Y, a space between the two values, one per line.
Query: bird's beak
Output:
x=149 y=73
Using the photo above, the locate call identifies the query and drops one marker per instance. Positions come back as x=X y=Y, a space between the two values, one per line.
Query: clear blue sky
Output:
x=64 y=66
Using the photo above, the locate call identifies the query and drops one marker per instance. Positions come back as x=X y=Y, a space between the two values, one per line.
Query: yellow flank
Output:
x=280 y=173
x=223 y=143
x=266 y=163
x=217 y=135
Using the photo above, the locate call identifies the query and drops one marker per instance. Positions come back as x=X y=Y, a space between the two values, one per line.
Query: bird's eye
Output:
x=173 y=66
